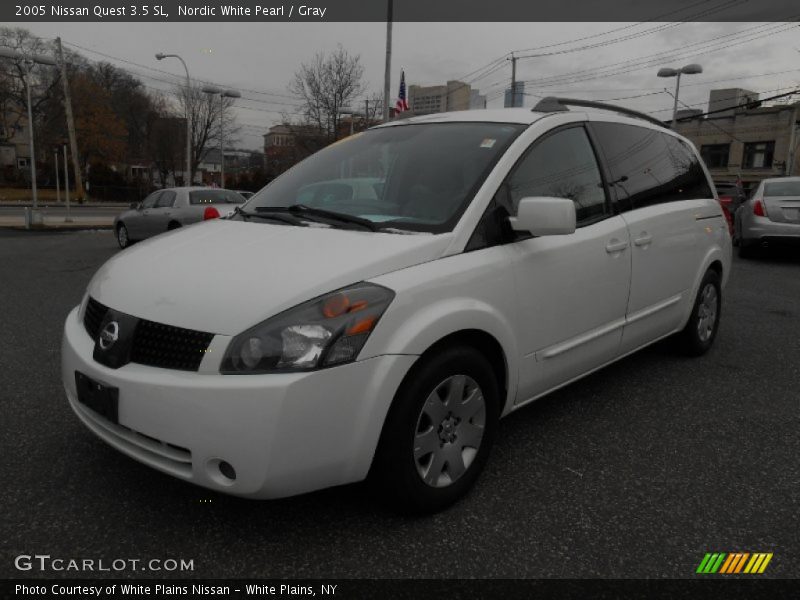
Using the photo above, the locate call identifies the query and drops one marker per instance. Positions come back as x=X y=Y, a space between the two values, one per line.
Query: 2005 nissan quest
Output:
x=376 y=309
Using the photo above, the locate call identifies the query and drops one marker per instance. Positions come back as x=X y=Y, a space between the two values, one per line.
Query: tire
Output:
x=122 y=236
x=424 y=417
x=173 y=225
x=701 y=330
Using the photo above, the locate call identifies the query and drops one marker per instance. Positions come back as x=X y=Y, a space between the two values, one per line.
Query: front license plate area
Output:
x=102 y=399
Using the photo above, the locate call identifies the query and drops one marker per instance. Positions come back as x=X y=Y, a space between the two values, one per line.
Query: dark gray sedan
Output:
x=170 y=208
x=770 y=216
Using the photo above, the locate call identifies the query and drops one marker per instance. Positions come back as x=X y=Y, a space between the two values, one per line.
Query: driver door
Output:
x=572 y=290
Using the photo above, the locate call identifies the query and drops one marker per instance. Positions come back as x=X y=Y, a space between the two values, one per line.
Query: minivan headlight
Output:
x=326 y=331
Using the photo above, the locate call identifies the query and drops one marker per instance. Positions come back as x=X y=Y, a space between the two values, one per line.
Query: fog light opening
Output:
x=221 y=471
x=227 y=470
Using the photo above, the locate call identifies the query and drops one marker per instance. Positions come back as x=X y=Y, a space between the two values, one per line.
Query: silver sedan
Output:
x=771 y=215
x=170 y=208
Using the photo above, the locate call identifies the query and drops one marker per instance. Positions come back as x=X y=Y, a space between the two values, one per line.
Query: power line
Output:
x=657 y=29
x=648 y=61
x=178 y=78
x=661 y=17
x=706 y=46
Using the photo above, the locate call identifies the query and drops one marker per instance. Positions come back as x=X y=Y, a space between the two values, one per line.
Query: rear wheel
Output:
x=122 y=236
x=437 y=436
x=699 y=333
x=173 y=225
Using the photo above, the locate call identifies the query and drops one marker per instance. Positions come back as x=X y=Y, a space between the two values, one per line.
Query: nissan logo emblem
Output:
x=109 y=335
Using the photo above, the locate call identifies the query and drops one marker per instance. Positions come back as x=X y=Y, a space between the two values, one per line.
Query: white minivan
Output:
x=376 y=309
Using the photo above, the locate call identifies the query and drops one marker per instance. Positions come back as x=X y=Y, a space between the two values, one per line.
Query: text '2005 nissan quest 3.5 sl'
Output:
x=375 y=310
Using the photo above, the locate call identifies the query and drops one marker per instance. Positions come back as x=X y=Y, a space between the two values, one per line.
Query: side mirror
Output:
x=545 y=216
x=136 y=205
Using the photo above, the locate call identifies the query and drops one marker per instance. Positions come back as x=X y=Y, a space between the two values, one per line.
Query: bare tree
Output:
x=326 y=85
x=44 y=80
x=207 y=115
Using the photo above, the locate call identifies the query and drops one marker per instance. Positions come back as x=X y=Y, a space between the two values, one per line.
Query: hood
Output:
x=225 y=276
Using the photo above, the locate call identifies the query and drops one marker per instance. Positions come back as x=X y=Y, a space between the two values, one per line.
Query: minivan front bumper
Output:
x=283 y=434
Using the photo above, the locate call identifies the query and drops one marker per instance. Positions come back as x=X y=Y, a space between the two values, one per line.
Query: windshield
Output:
x=782 y=188
x=414 y=177
x=215 y=196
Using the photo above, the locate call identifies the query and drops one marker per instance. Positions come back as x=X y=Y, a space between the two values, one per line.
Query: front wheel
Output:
x=699 y=333
x=440 y=428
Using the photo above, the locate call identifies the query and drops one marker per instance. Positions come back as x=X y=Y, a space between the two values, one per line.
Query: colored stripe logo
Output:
x=734 y=563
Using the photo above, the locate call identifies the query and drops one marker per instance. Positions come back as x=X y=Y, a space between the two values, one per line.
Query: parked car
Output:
x=771 y=216
x=731 y=196
x=291 y=347
x=170 y=208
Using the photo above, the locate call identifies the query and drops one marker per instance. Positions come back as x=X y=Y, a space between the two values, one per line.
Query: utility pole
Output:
x=73 y=142
x=513 y=60
x=388 y=69
x=792 y=144
x=366 y=114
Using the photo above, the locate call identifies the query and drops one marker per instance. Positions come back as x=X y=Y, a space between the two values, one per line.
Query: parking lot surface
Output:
x=635 y=471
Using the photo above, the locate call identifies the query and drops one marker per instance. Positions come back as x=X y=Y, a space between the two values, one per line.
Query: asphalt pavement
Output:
x=635 y=471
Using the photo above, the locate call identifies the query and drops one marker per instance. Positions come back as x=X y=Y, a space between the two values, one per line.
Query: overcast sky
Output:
x=260 y=58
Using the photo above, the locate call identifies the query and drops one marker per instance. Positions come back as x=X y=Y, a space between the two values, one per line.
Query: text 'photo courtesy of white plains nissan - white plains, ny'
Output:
x=374 y=311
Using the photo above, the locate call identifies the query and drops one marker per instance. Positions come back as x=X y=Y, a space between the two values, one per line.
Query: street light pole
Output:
x=387 y=73
x=189 y=173
x=223 y=93
x=668 y=72
x=58 y=185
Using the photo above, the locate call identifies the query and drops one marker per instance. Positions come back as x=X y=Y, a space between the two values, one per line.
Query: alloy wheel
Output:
x=449 y=430
x=707 y=312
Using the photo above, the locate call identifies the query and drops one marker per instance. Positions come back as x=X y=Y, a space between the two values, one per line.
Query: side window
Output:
x=690 y=181
x=150 y=201
x=649 y=167
x=166 y=200
x=562 y=165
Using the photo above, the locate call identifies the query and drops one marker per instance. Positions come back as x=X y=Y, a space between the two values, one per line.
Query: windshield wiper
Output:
x=333 y=216
x=403 y=231
x=268 y=213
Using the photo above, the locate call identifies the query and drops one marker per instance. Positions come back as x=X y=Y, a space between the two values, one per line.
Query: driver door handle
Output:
x=644 y=239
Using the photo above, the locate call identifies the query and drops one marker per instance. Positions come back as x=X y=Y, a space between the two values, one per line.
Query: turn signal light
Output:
x=758 y=209
x=210 y=213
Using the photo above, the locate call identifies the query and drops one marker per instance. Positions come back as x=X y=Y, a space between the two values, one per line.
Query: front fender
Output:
x=472 y=291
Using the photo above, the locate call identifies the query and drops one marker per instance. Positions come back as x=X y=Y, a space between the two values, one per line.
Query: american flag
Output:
x=402 y=103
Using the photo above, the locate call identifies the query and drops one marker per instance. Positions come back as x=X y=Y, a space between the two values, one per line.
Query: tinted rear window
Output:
x=650 y=167
x=213 y=196
x=782 y=188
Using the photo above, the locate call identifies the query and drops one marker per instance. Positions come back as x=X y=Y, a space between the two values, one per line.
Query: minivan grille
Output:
x=93 y=317
x=169 y=347
x=155 y=344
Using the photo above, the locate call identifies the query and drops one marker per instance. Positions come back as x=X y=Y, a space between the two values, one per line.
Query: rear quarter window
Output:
x=647 y=166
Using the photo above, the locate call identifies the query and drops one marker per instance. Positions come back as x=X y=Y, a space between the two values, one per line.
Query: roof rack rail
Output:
x=555 y=104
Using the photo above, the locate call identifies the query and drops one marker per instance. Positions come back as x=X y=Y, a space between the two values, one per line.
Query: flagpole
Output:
x=388 y=71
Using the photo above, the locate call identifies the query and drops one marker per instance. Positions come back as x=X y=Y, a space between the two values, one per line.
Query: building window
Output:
x=715 y=155
x=758 y=155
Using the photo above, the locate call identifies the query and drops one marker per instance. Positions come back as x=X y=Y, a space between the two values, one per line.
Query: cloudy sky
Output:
x=589 y=60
